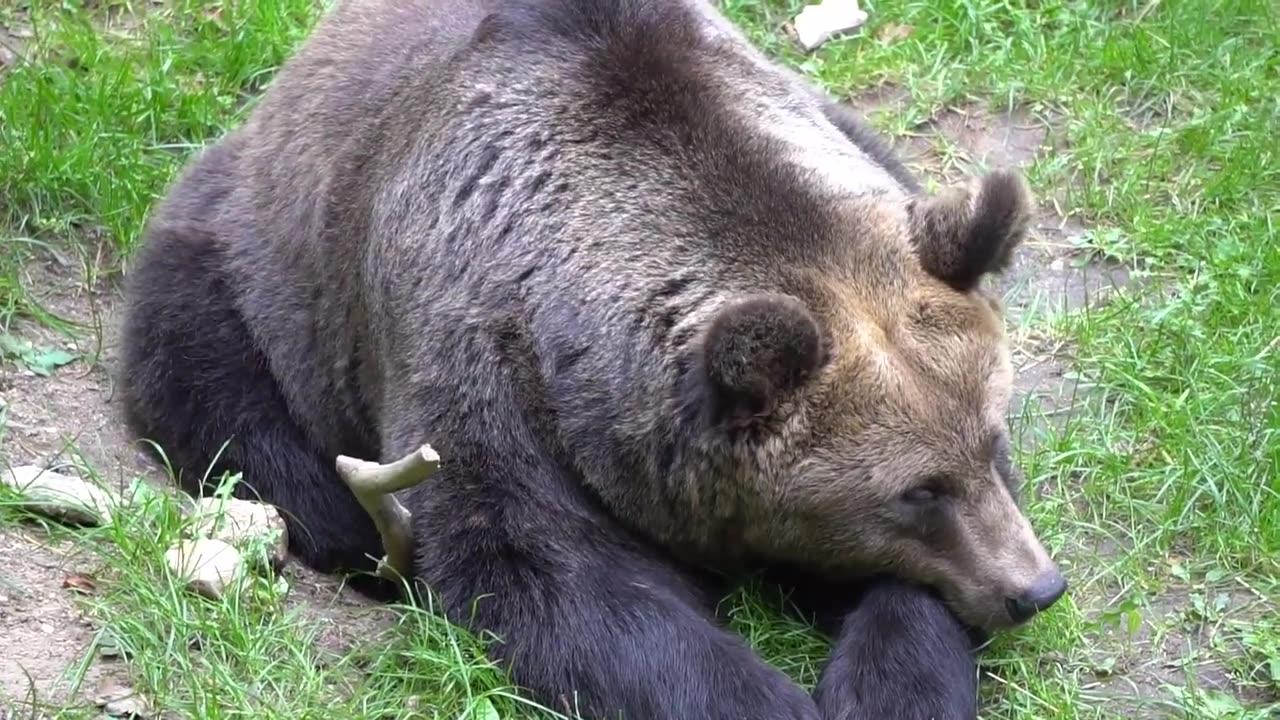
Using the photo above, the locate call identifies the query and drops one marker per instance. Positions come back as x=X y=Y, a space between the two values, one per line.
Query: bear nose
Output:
x=1040 y=596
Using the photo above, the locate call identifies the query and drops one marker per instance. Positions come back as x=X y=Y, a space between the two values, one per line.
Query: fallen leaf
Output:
x=79 y=583
x=893 y=32
x=45 y=362
x=486 y=710
x=38 y=360
x=108 y=648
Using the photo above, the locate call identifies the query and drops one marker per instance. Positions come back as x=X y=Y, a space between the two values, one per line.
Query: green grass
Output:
x=107 y=102
x=1161 y=493
x=258 y=650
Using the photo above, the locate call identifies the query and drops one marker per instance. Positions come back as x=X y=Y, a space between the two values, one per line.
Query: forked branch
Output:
x=374 y=485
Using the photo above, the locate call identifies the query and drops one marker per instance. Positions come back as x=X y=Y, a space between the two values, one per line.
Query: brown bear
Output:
x=669 y=315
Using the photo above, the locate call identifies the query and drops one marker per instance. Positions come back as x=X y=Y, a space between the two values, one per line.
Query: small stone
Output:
x=255 y=529
x=120 y=701
x=59 y=496
x=1058 y=265
x=208 y=567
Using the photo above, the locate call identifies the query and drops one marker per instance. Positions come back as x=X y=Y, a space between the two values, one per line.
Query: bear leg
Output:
x=900 y=653
x=194 y=385
x=589 y=622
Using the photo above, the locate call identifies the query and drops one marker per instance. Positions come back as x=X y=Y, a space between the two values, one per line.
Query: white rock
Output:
x=208 y=567
x=253 y=528
x=816 y=24
x=59 y=496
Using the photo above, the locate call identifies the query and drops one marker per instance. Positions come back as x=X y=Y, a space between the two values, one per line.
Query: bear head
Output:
x=871 y=411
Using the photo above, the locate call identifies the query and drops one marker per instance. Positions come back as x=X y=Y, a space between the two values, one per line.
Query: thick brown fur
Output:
x=666 y=312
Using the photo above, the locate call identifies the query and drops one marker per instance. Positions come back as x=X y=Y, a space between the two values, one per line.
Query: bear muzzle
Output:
x=1043 y=593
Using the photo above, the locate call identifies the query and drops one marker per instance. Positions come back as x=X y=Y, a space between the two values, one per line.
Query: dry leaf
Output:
x=79 y=583
x=893 y=32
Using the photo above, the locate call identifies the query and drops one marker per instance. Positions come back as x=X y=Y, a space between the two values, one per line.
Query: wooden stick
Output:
x=374 y=485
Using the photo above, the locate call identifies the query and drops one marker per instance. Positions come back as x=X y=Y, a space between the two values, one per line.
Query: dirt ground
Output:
x=43 y=636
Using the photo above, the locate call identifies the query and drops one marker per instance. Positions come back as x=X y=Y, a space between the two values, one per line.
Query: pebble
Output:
x=255 y=529
x=119 y=700
x=208 y=567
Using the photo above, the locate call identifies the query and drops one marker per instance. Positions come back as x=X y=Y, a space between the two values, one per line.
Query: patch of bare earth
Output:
x=43 y=635
x=1051 y=274
x=70 y=421
x=1187 y=639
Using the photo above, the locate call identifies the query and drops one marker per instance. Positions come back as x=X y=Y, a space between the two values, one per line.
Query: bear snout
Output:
x=1040 y=596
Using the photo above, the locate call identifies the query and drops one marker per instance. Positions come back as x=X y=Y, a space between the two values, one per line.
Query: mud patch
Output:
x=1184 y=641
x=43 y=635
x=14 y=36
x=69 y=420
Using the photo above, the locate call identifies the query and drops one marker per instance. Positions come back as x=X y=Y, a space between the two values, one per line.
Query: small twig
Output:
x=374 y=485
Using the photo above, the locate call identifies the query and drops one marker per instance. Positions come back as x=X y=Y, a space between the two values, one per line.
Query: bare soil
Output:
x=43 y=635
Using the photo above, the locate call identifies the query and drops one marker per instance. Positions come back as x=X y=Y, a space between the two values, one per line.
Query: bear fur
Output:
x=668 y=314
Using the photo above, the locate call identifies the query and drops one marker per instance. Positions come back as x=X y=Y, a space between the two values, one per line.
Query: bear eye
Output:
x=925 y=493
x=920 y=495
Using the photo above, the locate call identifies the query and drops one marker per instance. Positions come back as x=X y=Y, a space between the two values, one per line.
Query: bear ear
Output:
x=758 y=349
x=963 y=233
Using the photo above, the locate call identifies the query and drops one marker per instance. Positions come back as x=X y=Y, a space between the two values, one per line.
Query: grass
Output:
x=261 y=649
x=1160 y=492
